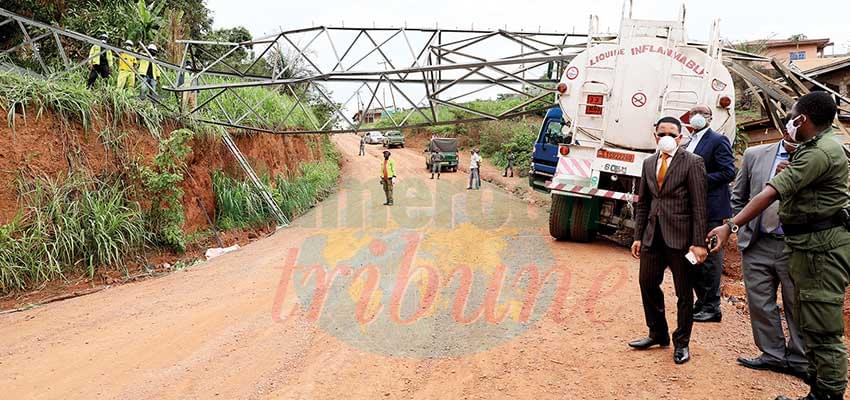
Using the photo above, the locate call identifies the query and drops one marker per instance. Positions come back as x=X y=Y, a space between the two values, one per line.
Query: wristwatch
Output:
x=732 y=227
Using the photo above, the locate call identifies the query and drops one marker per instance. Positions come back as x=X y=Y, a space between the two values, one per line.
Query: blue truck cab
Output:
x=544 y=159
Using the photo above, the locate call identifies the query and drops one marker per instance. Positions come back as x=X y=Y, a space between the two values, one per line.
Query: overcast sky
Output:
x=740 y=19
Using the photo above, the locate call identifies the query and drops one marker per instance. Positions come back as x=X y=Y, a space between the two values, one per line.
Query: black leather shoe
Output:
x=761 y=364
x=703 y=316
x=647 y=342
x=681 y=355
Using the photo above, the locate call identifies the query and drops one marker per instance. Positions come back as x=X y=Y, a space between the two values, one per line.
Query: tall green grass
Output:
x=77 y=224
x=68 y=98
x=238 y=205
x=273 y=109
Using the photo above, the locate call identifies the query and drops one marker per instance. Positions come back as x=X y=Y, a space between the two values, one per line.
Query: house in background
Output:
x=806 y=56
x=368 y=116
x=791 y=50
x=833 y=72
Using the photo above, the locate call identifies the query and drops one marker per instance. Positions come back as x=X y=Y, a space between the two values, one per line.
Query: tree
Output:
x=144 y=21
x=209 y=53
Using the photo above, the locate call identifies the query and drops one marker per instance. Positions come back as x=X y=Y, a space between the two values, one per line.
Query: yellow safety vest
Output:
x=127 y=62
x=143 y=68
x=390 y=168
x=94 y=56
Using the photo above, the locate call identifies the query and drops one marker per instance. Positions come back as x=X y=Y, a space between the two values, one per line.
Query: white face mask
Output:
x=667 y=144
x=792 y=129
x=698 y=121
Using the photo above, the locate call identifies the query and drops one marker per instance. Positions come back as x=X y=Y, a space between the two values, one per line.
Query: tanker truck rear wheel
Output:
x=559 y=217
x=584 y=220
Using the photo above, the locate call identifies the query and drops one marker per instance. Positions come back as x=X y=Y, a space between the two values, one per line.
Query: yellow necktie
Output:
x=662 y=172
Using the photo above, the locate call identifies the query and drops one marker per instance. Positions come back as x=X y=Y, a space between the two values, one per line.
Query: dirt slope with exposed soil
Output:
x=224 y=329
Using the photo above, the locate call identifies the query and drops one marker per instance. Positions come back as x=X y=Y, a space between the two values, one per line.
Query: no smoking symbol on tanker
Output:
x=639 y=99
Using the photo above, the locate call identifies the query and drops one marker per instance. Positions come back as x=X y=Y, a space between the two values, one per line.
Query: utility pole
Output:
x=392 y=94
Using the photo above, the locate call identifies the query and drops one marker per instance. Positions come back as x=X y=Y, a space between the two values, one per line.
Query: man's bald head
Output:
x=701 y=109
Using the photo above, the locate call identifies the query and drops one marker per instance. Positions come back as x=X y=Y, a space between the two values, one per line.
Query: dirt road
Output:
x=448 y=294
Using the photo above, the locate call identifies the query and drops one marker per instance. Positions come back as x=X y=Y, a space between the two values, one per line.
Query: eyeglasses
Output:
x=662 y=134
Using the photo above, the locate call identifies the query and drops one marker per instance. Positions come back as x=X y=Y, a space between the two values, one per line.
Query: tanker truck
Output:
x=610 y=95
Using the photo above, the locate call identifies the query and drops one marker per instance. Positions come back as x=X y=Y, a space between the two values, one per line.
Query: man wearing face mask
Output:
x=813 y=210
x=670 y=224
x=765 y=265
x=716 y=151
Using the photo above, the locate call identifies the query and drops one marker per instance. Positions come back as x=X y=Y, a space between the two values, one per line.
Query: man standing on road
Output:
x=716 y=152
x=511 y=159
x=765 y=264
x=813 y=201
x=362 y=145
x=474 y=170
x=670 y=224
x=388 y=177
x=436 y=163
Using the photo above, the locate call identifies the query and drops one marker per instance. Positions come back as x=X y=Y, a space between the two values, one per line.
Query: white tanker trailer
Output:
x=611 y=95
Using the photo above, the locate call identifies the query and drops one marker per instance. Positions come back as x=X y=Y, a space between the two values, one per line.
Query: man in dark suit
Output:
x=670 y=223
x=716 y=152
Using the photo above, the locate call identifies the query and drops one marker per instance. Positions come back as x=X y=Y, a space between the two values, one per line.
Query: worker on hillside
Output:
x=127 y=68
x=150 y=74
x=362 y=145
x=474 y=168
x=186 y=79
x=436 y=163
x=388 y=178
x=100 y=62
x=815 y=220
x=511 y=157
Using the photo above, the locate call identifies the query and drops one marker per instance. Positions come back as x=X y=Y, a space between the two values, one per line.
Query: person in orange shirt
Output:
x=388 y=177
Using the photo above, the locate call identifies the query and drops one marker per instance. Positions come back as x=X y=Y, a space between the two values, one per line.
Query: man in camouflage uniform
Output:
x=813 y=195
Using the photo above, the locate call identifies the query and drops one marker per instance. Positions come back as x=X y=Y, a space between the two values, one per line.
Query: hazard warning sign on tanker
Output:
x=639 y=99
x=572 y=73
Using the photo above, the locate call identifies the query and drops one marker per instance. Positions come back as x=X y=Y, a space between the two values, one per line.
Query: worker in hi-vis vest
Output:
x=100 y=62
x=127 y=68
x=388 y=177
x=150 y=73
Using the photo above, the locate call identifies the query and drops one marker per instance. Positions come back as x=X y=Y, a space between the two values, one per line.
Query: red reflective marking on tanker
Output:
x=563 y=168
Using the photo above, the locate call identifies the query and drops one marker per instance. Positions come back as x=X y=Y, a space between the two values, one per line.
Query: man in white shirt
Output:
x=474 y=167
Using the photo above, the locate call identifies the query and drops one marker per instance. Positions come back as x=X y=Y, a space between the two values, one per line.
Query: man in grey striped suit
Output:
x=765 y=264
x=670 y=223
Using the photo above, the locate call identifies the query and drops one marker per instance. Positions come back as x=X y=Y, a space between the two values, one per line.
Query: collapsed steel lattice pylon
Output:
x=427 y=69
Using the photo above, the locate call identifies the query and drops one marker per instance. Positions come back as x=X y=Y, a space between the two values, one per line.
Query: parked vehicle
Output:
x=611 y=95
x=447 y=147
x=393 y=138
x=374 y=137
x=544 y=159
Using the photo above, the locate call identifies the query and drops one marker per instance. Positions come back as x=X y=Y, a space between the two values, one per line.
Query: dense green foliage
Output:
x=238 y=205
x=502 y=137
x=161 y=185
x=70 y=100
x=445 y=113
x=274 y=110
x=72 y=224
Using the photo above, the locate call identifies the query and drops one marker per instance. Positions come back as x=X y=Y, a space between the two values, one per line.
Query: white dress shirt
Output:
x=695 y=138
